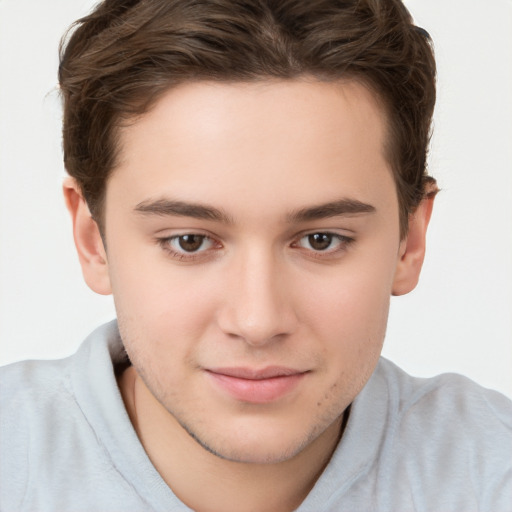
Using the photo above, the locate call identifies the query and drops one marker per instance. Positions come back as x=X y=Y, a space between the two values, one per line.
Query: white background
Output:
x=459 y=318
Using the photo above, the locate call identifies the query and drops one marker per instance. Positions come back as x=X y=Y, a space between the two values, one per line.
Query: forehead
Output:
x=288 y=142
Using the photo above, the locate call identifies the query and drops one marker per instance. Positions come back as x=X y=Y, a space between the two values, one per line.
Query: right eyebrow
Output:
x=164 y=207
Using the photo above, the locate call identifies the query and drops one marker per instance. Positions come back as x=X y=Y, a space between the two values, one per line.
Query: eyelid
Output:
x=165 y=243
x=203 y=240
x=344 y=241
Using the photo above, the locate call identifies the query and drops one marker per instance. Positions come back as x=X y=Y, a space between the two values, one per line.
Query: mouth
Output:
x=257 y=386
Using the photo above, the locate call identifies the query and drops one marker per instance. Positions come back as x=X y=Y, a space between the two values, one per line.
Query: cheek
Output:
x=356 y=302
x=350 y=324
x=348 y=315
x=153 y=289
x=162 y=313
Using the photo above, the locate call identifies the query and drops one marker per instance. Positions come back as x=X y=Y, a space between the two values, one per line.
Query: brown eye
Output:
x=191 y=243
x=324 y=243
x=320 y=241
x=189 y=246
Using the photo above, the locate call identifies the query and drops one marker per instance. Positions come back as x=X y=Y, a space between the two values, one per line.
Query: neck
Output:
x=225 y=485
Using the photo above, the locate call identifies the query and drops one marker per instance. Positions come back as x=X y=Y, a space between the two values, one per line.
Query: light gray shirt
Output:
x=425 y=445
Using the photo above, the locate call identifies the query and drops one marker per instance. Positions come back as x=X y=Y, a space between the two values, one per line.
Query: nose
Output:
x=257 y=304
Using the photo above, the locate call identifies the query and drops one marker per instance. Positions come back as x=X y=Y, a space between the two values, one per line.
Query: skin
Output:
x=257 y=291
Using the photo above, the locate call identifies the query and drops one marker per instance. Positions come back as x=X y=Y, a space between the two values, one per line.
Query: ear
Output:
x=412 y=248
x=88 y=241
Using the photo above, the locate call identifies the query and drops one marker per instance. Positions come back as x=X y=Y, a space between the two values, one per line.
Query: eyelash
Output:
x=166 y=242
x=343 y=243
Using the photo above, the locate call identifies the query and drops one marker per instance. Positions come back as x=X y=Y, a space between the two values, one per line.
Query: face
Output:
x=252 y=238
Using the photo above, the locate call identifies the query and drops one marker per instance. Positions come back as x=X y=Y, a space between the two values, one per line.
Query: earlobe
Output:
x=88 y=241
x=412 y=248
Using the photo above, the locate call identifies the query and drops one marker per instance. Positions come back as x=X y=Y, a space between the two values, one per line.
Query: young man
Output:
x=248 y=179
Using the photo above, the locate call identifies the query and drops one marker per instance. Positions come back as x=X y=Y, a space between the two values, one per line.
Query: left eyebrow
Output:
x=342 y=207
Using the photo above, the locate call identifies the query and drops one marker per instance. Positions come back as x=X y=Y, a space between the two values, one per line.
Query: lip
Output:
x=257 y=386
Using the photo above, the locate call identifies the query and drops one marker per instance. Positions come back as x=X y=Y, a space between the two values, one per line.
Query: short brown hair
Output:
x=122 y=57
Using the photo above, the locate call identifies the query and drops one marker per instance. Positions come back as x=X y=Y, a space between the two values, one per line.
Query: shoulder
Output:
x=34 y=386
x=31 y=393
x=449 y=433
x=50 y=424
x=32 y=379
x=424 y=399
x=31 y=388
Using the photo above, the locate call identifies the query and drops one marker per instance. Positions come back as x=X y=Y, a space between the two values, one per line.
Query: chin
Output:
x=256 y=444
x=259 y=453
